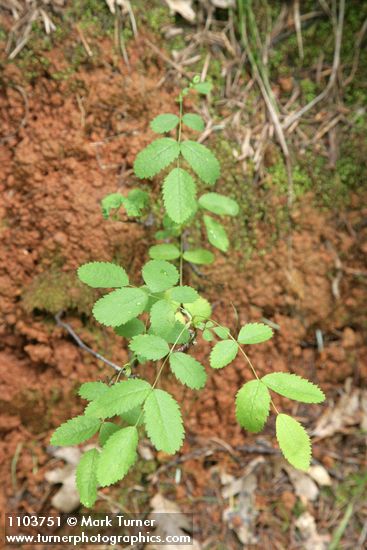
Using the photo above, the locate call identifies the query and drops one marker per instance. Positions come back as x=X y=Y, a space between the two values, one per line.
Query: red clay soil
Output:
x=53 y=178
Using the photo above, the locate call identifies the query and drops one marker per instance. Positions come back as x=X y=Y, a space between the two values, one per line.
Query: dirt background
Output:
x=66 y=147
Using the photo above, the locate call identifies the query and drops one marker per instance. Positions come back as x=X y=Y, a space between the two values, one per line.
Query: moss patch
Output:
x=55 y=291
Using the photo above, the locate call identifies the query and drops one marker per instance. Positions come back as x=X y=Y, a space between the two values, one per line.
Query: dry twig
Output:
x=83 y=346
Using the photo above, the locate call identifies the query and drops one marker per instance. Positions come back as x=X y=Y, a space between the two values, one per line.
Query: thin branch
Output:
x=132 y=19
x=84 y=41
x=83 y=346
x=297 y=24
x=119 y=37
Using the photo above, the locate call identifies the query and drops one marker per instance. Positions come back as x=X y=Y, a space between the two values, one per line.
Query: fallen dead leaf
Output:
x=145 y=451
x=66 y=500
x=241 y=517
x=348 y=411
x=286 y=83
x=306 y=526
x=170 y=521
x=304 y=486
x=223 y=4
x=183 y=7
x=320 y=475
x=113 y=3
x=233 y=486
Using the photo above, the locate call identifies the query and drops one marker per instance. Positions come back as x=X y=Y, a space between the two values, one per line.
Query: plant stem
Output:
x=247 y=359
x=161 y=369
x=180 y=100
x=181 y=260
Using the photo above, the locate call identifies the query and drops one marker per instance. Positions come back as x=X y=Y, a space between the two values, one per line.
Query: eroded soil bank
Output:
x=77 y=144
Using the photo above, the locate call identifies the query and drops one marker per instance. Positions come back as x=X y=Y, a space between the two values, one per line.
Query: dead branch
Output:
x=83 y=346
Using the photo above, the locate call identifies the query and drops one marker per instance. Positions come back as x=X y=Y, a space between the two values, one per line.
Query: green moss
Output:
x=77 y=56
x=32 y=65
x=55 y=290
x=159 y=16
x=62 y=75
x=91 y=14
x=308 y=89
x=353 y=487
x=242 y=229
x=277 y=178
x=331 y=187
x=3 y=34
x=318 y=37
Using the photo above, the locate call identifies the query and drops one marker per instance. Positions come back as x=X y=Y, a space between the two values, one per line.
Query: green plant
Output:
x=162 y=318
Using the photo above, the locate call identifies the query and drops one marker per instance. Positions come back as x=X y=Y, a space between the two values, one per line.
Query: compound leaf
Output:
x=111 y=202
x=223 y=353
x=193 y=121
x=201 y=160
x=163 y=421
x=294 y=441
x=187 y=370
x=133 y=416
x=119 y=398
x=158 y=155
x=162 y=318
x=76 y=430
x=179 y=334
x=86 y=477
x=254 y=333
x=294 y=387
x=92 y=390
x=200 y=310
x=160 y=275
x=252 y=406
x=219 y=204
x=203 y=87
x=222 y=332
x=135 y=202
x=149 y=346
x=120 y=306
x=179 y=195
x=131 y=328
x=107 y=429
x=217 y=235
x=117 y=456
x=164 y=123
x=208 y=335
x=199 y=256
x=184 y=294
x=164 y=252
x=103 y=275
